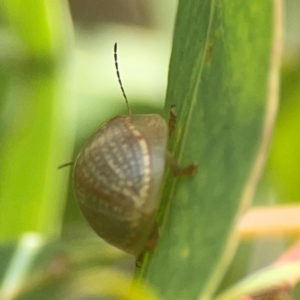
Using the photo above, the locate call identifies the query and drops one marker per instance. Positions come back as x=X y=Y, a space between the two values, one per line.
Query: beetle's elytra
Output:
x=118 y=176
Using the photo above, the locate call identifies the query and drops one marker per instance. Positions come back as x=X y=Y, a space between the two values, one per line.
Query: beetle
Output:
x=118 y=176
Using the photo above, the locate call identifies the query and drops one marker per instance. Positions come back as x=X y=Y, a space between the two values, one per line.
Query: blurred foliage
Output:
x=31 y=193
x=56 y=85
x=283 y=169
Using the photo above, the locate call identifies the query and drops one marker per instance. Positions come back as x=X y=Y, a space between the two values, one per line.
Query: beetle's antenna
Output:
x=68 y=164
x=119 y=77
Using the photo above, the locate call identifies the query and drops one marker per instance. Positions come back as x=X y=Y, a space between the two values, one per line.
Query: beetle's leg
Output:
x=68 y=164
x=150 y=244
x=175 y=168
x=172 y=119
x=179 y=171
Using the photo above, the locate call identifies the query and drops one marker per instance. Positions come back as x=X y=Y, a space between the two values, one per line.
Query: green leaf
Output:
x=33 y=129
x=223 y=80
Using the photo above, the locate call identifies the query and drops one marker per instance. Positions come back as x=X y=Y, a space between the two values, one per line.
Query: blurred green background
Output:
x=58 y=84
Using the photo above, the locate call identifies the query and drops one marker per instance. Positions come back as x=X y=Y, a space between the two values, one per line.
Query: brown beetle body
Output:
x=117 y=178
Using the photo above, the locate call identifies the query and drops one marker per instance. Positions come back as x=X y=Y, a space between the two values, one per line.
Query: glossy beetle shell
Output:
x=117 y=179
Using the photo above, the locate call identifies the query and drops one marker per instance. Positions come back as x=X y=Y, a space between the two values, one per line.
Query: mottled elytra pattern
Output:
x=117 y=178
x=115 y=166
